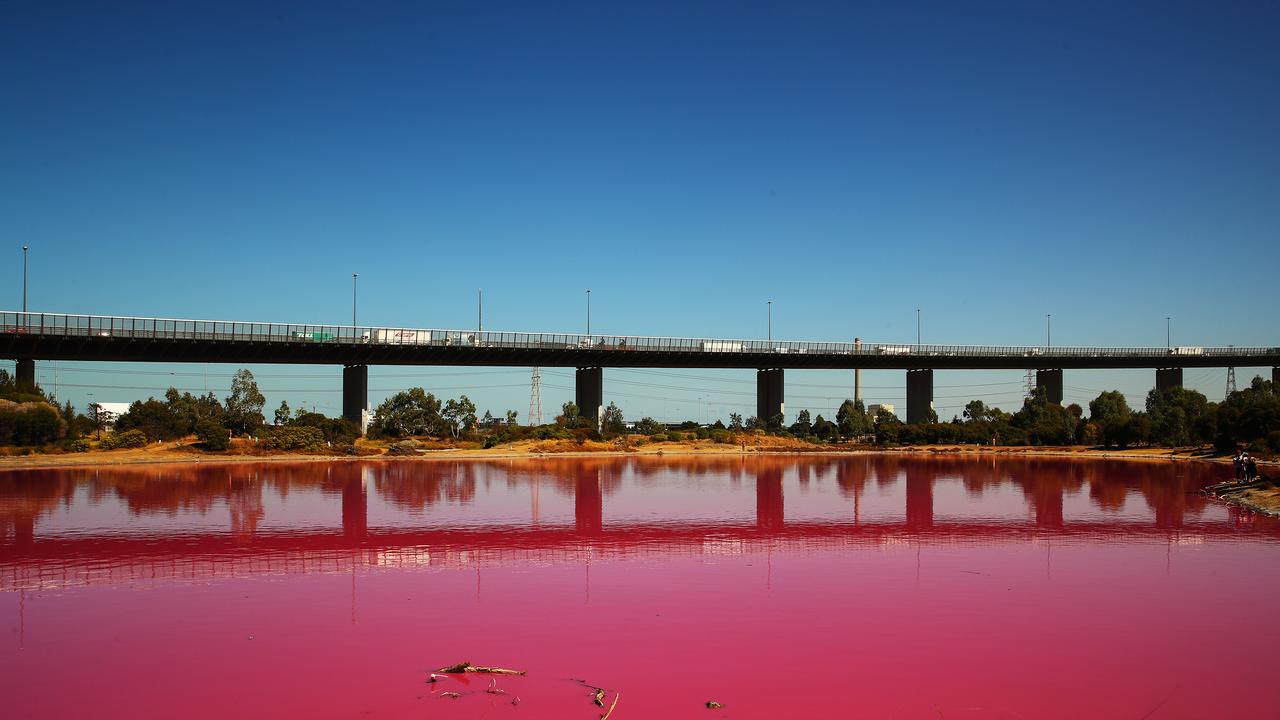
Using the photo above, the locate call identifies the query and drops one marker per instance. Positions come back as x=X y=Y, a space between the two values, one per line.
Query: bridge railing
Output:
x=136 y=328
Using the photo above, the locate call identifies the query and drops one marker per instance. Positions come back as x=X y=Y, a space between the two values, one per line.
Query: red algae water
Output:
x=839 y=587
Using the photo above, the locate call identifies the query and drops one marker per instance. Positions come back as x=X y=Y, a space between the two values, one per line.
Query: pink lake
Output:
x=857 y=586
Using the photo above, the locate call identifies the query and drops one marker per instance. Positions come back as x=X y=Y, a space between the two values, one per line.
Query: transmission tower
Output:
x=1031 y=383
x=1231 y=382
x=535 y=398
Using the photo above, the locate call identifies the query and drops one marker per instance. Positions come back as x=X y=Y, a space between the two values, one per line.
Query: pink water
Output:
x=854 y=587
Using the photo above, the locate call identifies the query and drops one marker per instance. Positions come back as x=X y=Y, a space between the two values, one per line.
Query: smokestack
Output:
x=857 y=373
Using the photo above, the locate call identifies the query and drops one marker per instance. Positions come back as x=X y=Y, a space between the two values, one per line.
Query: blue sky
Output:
x=1111 y=164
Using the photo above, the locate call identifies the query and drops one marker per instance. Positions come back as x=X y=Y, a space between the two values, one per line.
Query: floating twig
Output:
x=712 y=705
x=451 y=695
x=466 y=667
x=616 y=698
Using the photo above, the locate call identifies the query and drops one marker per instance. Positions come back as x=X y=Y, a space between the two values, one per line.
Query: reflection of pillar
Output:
x=588 y=502
x=355 y=508
x=1170 y=508
x=1048 y=500
x=919 y=498
x=769 y=499
x=24 y=530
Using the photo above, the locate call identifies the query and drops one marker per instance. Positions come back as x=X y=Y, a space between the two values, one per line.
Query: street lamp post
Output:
x=770 y=330
x=1168 y=332
x=588 y=312
x=917 y=326
x=353 y=301
x=24 y=278
x=1048 y=330
x=480 y=311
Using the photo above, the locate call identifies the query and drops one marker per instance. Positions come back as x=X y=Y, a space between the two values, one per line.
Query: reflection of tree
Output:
x=245 y=503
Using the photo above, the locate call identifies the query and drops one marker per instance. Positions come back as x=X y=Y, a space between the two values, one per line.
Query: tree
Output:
x=649 y=426
x=853 y=420
x=613 y=423
x=825 y=429
x=802 y=426
x=282 y=413
x=569 y=417
x=1179 y=417
x=888 y=427
x=735 y=421
x=1045 y=423
x=244 y=404
x=1248 y=416
x=511 y=417
x=412 y=412
x=459 y=415
x=152 y=418
x=1111 y=413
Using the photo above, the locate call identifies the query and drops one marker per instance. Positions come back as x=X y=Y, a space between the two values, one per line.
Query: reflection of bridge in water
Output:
x=33 y=559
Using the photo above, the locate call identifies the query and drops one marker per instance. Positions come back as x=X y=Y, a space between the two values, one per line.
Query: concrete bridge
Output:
x=28 y=337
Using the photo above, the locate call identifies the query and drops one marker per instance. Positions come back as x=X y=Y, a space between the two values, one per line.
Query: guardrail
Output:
x=63 y=325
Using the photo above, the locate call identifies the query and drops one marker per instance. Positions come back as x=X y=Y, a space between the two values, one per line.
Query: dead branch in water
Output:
x=616 y=698
x=712 y=705
x=466 y=667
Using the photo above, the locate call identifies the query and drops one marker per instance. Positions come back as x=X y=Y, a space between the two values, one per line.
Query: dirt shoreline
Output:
x=178 y=453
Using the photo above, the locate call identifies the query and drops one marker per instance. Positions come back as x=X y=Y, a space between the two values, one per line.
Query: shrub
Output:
x=1273 y=441
x=29 y=423
x=124 y=440
x=674 y=436
x=212 y=435
x=702 y=433
x=80 y=445
x=294 y=438
x=724 y=437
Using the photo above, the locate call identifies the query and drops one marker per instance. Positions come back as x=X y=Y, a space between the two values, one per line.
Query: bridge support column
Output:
x=919 y=395
x=588 y=395
x=25 y=372
x=1051 y=381
x=355 y=394
x=769 y=395
x=1168 y=378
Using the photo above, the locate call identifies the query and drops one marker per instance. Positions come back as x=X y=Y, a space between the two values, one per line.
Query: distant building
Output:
x=873 y=409
x=109 y=411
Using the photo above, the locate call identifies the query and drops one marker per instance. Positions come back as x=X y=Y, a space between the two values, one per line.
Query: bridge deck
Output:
x=54 y=336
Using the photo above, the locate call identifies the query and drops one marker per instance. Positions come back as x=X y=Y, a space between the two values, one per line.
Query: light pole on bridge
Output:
x=1048 y=330
x=770 y=321
x=1168 y=332
x=917 y=326
x=24 y=278
x=353 y=301
x=588 y=312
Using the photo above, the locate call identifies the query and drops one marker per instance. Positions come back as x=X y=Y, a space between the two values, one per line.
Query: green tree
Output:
x=613 y=423
x=1179 y=417
x=1044 y=422
x=735 y=421
x=649 y=426
x=888 y=427
x=244 y=404
x=459 y=415
x=1111 y=414
x=1248 y=416
x=282 y=413
x=570 y=416
x=152 y=418
x=802 y=426
x=412 y=412
x=511 y=417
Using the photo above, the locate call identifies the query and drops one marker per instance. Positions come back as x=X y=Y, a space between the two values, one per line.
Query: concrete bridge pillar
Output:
x=1051 y=381
x=769 y=504
x=770 y=401
x=355 y=393
x=919 y=395
x=1168 y=378
x=588 y=395
x=25 y=372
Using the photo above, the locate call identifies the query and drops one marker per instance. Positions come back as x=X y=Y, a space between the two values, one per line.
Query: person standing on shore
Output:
x=1237 y=461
